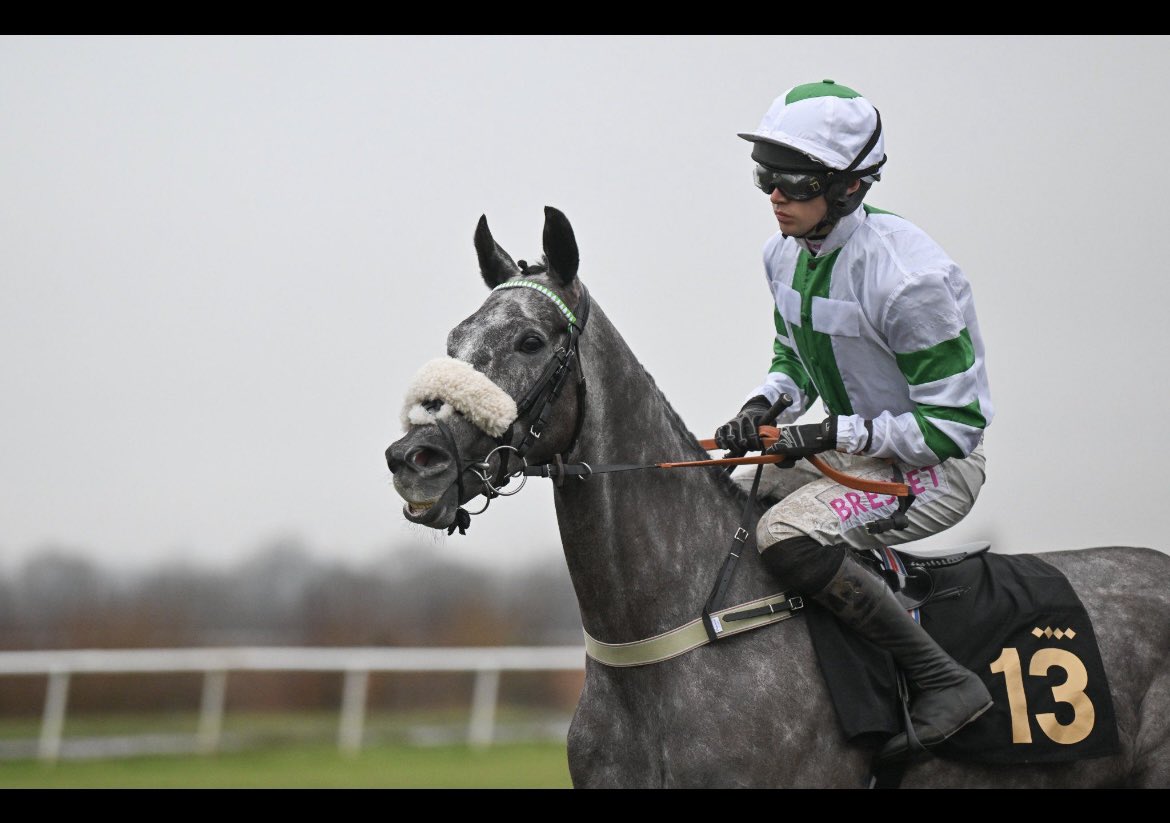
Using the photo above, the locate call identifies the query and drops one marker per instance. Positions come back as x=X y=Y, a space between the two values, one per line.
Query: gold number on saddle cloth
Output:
x=1071 y=692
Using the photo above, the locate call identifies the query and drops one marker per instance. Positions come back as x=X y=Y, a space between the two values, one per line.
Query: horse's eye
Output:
x=531 y=344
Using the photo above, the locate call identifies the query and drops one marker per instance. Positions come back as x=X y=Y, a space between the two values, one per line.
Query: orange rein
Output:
x=769 y=435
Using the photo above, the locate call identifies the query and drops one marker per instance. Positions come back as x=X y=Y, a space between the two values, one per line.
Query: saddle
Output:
x=908 y=573
x=1015 y=621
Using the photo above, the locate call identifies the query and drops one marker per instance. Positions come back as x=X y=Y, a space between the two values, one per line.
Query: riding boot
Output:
x=946 y=696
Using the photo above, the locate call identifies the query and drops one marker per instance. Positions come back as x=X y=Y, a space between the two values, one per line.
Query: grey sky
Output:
x=222 y=260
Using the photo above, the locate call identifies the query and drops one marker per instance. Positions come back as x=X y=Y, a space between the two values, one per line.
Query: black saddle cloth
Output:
x=1016 y=622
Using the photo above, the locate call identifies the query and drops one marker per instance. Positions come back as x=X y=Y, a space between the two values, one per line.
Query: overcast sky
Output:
x=223 y=258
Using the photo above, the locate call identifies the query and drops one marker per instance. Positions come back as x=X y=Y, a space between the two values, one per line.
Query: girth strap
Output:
x=728 y=621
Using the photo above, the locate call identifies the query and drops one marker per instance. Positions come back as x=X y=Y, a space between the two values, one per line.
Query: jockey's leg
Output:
x=806 y=541
x=947 y=695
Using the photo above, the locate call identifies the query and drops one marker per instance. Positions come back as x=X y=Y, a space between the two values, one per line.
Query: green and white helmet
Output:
x=821 y=127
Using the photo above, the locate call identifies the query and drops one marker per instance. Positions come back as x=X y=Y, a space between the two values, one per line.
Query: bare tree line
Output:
x=281 y=595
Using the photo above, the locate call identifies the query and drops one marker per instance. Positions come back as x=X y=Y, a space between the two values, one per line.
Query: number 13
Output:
x=1071 y=692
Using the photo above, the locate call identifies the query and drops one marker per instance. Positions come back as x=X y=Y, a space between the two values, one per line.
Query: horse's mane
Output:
x=676 y=422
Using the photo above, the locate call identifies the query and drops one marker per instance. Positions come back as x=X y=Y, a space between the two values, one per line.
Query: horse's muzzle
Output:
x=424 y=476
x=422 y=459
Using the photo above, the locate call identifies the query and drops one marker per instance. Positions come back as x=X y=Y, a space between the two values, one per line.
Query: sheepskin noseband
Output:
x=462 y=389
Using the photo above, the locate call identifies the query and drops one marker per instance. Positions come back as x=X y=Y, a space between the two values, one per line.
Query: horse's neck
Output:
x=643 y=547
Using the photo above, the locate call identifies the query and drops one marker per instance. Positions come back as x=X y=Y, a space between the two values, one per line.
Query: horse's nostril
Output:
x=422 y=458
x=413 y=456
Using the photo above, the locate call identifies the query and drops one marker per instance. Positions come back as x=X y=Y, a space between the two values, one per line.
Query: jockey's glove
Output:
x=738 y=435
x=851 y=434
x=806 y=439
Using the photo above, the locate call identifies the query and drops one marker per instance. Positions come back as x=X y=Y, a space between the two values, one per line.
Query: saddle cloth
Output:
x=1016 y=622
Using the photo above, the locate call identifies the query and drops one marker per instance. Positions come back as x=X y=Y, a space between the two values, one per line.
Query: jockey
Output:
x=874 y=318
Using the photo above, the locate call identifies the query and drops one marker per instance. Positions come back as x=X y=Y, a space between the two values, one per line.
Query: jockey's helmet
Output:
x=823 y=129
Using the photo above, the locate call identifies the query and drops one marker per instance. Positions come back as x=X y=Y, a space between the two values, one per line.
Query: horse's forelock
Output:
x=539 y=267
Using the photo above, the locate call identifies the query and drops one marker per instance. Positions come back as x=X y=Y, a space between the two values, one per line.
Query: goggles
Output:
x=792 y=184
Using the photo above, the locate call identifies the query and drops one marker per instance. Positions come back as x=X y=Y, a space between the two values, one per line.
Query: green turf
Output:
x=511 y=766
x=275 y=728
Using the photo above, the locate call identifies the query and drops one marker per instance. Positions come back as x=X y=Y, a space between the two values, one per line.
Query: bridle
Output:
x=533 y=410
x=543 y=396
x=532 y=416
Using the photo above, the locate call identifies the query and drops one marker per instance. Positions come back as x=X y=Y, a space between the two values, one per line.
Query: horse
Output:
x=643 y=548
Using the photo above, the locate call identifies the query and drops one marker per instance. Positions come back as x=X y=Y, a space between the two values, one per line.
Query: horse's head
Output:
x=469 y=415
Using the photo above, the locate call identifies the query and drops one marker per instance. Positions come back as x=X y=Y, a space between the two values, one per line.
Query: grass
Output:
x=417 y=749
x=503 y=766
x=269 y=728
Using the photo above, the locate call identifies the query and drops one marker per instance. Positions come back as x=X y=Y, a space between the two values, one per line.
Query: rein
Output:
x=769 y=436
x=543 y=396
x=714 y=620
x=532 y=415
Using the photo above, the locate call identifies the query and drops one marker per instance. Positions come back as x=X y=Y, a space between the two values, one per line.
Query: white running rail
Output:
x=356 y=663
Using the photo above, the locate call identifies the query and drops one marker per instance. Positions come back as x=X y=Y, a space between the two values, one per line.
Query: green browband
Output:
x=545 y=290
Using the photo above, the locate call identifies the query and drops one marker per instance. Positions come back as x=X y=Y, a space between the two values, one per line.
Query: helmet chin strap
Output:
x=839 y=206
x=821 y=230
x=812 y=234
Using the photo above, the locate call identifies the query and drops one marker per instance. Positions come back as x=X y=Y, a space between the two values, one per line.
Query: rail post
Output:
x=483 y=708
x=53 y=721
x=211 y=712
x=353 y=711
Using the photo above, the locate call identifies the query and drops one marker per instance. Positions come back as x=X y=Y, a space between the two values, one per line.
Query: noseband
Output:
x=532 y=412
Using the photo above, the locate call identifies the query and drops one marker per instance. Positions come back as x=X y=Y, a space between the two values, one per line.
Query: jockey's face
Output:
x=797 y=217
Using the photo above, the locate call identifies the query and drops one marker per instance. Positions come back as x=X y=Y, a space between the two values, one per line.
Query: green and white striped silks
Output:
x=881 y=325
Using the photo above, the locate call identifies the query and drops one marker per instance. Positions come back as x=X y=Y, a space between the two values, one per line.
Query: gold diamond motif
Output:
x=1059 y=634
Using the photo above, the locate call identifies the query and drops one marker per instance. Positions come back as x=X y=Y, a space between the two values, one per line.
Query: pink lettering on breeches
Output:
x=852 y=504
x=841 y=507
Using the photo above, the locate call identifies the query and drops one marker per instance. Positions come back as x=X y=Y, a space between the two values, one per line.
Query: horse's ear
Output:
x=495 y=264
x=560 y=247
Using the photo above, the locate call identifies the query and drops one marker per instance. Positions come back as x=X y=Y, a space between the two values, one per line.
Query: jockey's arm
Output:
x=932 y=344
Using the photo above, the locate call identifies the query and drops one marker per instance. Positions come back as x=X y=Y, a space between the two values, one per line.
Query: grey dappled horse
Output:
x=644 y=548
